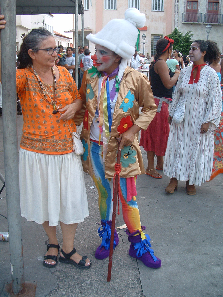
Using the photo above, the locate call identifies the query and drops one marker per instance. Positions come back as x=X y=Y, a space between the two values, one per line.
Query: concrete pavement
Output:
x=186 y=233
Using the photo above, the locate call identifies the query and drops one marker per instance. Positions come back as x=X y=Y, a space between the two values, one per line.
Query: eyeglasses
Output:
x=49 y=50
x=194 y=48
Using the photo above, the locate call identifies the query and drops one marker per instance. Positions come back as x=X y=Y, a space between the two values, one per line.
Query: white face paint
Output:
x=195 y=54
x=106 y=59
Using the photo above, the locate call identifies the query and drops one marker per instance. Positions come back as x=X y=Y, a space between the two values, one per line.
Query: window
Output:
x=86 y=4
x=154 y=39
x=157 y=5
x=134 y=3
x=110 y=4
x=192 y=6
x=192 y=14
x=213 y=6
x=212 y=15
x=216 y=6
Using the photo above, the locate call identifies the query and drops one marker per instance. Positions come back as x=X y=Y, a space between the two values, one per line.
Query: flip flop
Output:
x=150 y=174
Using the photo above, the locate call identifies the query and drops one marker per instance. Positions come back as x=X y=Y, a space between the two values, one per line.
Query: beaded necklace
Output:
x=45 y=93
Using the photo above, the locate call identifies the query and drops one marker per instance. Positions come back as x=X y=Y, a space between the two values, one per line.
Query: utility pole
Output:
x=73 y=30
x=76 y=42
x=144 y=41
x=82 y=22
x=8 y=51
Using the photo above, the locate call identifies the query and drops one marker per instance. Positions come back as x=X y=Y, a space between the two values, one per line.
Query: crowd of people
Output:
x=114 y=103
x=67 y=60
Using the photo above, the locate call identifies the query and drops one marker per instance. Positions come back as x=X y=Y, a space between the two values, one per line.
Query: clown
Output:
x=112 y=94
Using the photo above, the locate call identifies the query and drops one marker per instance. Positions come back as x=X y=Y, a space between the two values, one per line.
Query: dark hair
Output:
x=213 y=54
x=212 y=50
x=87 y=52
x=160 y=46
x=186 y=62
x=31 y=41
x=179 y=55
x=69 y=47
x=80 y=49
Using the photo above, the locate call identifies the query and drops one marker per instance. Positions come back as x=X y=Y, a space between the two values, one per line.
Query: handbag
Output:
x=179 y=113
x=77 y=143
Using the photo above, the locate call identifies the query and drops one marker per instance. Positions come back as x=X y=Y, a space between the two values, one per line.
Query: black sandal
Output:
x=54 y=258
x=67 y=260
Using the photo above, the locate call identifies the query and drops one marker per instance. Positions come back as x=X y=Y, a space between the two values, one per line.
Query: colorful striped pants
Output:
x=105 y=190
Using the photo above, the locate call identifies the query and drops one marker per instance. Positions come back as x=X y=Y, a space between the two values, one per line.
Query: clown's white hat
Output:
x=120 y=35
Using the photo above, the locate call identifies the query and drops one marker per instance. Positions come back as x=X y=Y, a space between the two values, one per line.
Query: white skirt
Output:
x=52 y=188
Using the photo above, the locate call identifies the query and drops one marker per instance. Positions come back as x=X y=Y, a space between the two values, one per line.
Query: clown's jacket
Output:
x=135 y=105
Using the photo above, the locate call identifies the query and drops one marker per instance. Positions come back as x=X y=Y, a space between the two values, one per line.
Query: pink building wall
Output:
x=157 y=22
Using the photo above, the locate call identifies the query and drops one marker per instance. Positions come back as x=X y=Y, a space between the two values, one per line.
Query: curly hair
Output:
x=31 y=41
x=213 y=53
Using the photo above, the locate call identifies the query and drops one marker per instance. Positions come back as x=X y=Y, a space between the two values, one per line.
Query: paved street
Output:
x=186 y=234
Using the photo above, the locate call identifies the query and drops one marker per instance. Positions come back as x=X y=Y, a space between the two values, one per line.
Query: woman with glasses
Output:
x=195 y=114
x=52 y=186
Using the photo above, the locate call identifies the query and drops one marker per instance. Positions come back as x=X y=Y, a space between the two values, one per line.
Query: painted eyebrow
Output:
x=103 y=52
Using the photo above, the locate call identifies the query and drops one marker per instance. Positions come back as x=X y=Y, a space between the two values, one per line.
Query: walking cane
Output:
x=116 y=187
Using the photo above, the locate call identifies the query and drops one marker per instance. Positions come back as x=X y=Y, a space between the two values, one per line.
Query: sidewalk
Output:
x=185 y=231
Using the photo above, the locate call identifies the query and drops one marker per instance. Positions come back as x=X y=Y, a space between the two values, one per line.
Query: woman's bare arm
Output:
x=162 y=69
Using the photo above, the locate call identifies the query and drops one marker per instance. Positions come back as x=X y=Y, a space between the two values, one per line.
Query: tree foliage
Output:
x=181 y=42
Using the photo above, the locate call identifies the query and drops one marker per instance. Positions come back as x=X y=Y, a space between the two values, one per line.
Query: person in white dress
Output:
x=194 y=115
x=51 y=178
x=135 y=61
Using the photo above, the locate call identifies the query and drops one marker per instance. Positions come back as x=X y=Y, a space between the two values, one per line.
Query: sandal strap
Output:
x=51 y=245
x=82 y=262
x=148 y=170
x=67 y=256
x=54 y=258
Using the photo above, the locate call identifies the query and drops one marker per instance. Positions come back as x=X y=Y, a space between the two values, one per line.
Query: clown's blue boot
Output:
x=104 y=232
x=140 y=249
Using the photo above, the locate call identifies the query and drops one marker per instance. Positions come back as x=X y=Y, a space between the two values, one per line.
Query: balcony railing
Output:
x=191 y=17
x=213 y=18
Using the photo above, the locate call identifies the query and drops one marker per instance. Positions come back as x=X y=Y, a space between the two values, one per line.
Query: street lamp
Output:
x=143 y=38
x=208 y=30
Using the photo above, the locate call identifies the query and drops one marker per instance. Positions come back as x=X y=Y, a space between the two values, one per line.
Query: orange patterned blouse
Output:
x=43 y=132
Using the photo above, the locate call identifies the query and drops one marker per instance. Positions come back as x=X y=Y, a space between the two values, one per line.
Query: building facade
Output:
x=204 y=18
x=62 y=40
x=25 y=23
x=159 y=19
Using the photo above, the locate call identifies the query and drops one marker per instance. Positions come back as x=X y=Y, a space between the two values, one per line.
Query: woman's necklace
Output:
x=45 y=93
